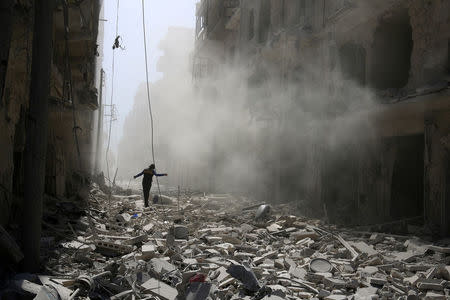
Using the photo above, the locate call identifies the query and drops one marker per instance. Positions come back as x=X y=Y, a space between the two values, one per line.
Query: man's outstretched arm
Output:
x=159 y=175
x=138 y=175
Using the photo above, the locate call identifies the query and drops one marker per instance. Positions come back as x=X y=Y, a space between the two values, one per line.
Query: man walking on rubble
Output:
x=147 y=181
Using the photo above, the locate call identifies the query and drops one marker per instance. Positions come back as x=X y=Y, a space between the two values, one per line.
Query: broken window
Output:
x=392 y=47
x=353 y=62
x=251 y=25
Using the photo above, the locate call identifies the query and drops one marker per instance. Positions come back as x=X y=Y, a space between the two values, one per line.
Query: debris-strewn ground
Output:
x=221 y=247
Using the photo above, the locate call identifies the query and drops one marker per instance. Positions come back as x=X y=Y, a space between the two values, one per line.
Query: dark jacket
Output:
x=148 y=176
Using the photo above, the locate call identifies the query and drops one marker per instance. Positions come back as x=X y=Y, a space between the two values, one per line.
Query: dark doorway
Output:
x=353 y=62
x=407 y=177
x=392 y=47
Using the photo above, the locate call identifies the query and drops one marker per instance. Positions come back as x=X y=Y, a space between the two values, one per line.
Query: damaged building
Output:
x=68 y=37
x=392 y=162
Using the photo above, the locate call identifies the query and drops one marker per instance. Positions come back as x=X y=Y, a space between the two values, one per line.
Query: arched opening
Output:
x=353 y=62
x=392 y=47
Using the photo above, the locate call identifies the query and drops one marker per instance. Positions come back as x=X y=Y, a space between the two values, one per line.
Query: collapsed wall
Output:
x=351 y=101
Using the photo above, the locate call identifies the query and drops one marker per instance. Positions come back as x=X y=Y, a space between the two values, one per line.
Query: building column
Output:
x=436 y=173
x=37 y=125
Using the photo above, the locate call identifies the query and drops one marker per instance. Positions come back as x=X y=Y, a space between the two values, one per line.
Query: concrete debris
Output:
x=215 y=248
x=160 y=289
x=180 y=232
x=47 y=292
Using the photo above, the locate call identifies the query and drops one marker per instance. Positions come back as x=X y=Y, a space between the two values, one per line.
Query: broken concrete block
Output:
x=323 y=293
x=336 y=297
x=246 y=228
x=370 y=270
x=222 y=274
x=430 y=284
x=412 y=295
x=123 y=218
x=148 y=227
x=148 y=251
x=75 y=245
x=58 y=284
x=334 y=283
x=272 y=297
x=47 y=292
x=180 y=232
x=227 y=282
x=244 y=255
x=366 y=293
x=297 y=272
x=279 y=263
x=300 y=235
x=434 y=296
x=274 y=227
x=161 y=266
x=362 y=247
x=377 y=281
x=160 y=289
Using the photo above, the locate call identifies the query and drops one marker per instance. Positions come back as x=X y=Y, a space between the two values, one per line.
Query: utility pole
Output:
x=99 y=125
x=36 y=145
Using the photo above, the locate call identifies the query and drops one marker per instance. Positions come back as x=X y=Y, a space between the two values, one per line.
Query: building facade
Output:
x=364 y=138
x=72 y=100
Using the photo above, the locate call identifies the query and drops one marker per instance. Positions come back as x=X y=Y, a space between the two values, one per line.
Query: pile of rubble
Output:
x=220 y=247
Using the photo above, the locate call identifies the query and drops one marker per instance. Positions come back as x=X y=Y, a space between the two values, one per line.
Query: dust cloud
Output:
x=242 y=130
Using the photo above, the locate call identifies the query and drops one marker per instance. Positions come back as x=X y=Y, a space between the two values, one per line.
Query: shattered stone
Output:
x=180 y=232
x=160 y=289
x=123 y=218
x=290 y=257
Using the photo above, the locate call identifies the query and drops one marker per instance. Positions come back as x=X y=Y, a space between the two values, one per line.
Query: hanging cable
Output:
x=148 y=95
x=112 y=94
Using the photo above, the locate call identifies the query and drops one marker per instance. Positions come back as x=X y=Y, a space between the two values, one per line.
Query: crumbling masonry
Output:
x=396 y=50
x=71 y=44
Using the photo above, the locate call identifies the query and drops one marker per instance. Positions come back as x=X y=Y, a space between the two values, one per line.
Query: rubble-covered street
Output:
x=221 y=247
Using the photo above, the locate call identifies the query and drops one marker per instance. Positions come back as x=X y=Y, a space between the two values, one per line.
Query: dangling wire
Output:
x=112 y=94
x=148 y=94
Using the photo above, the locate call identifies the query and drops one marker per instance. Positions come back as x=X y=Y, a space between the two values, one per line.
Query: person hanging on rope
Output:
x=147 y=181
